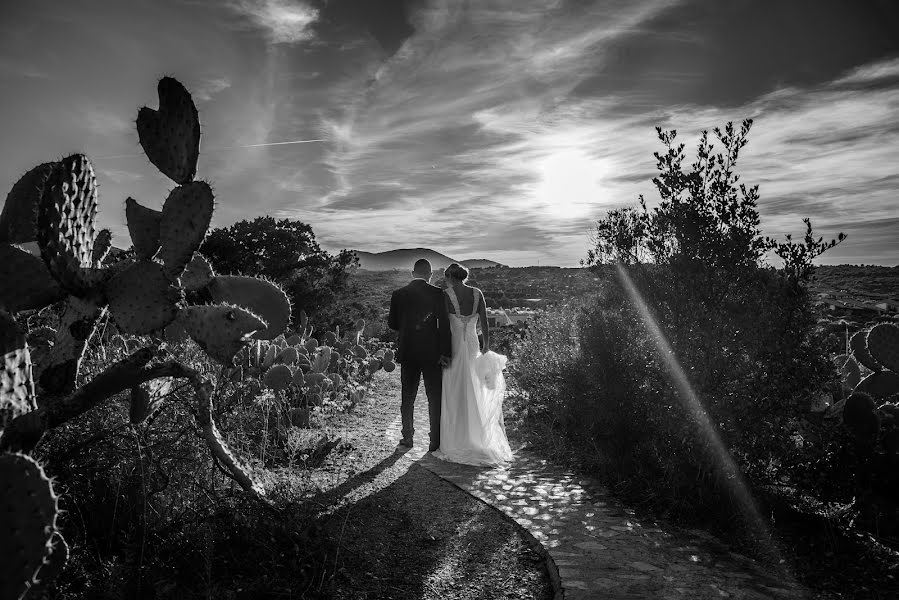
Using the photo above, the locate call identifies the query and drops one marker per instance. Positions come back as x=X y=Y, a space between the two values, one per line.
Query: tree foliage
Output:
x=707 y=219
x=285 y=251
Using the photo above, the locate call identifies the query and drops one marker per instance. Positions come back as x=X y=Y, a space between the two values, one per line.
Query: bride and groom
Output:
x=438 y=342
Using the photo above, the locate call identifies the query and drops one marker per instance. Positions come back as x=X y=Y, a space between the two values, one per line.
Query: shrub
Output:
x=743 y=334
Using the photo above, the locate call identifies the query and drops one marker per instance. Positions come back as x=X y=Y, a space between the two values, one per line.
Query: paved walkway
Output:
x=597 y=548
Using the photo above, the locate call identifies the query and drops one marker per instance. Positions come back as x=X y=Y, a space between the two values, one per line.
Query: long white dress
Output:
x=472 y=430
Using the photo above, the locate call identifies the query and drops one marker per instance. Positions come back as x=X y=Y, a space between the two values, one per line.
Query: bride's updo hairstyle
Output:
x=456 y=271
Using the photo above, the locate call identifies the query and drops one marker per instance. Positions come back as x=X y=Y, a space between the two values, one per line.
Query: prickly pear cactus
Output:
x=883 y=345
x=878 y=349
x=170 y=136
x=28 y=512
x=161 y=293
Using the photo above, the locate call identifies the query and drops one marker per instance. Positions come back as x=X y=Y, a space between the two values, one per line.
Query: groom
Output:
x=424 y=346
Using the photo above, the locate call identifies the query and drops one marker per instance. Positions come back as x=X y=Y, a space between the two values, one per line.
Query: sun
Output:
x=569 y=183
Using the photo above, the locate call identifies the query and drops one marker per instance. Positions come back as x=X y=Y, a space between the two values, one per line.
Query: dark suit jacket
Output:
x=418 y=313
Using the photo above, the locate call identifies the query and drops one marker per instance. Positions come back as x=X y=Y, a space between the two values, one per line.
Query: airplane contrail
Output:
x=222 y=148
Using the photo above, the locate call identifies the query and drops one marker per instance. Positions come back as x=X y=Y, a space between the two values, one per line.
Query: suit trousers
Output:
x=411 y=374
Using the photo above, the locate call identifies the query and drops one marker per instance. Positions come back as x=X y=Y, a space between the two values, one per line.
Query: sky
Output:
x=497 y=129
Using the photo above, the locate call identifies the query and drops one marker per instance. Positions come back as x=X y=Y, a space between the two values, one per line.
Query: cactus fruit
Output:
x=171 y=136
x=16 y=383
x=27 y=283
x=883 y=345
x=142 y=299
x=261 y=297
x=28 y=512
x=278 y=377
x=860 y=350
x=197 y=274
x=65 y=223
x=220 y=330
x=18 y=221
x=143 y=225
x=186 y=216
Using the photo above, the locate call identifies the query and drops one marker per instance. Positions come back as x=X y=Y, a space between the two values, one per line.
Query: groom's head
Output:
x=422 y=269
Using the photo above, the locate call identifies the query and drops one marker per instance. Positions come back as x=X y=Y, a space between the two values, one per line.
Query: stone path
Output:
x=597 y=548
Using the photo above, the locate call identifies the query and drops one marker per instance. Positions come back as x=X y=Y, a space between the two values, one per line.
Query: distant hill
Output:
x=404 y=258
x=480 y=263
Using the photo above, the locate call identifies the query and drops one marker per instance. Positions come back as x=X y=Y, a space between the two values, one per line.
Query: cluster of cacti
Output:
x=876 y=350
x=312 y=371
x=871 y=412
x=164 y=292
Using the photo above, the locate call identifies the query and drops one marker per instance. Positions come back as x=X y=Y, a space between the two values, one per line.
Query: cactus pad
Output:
x=27 y=283
x=143 y=226
x=262 y=297
x=28 y=511
x=860 y=415
x=881 y=384
x=66 y=215
x=197 y=274
x=288 y=356
x=171 y=136
x=174 y=333
x=186 y=215
x=102 y=245
x=883 y=345
x=16 y=382
x=18 y=221
x=860 y=350
x=142 y=299
x=278 y=377
x=221 y=330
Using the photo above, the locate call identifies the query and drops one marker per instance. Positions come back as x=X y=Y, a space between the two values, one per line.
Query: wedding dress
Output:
x=472 y=430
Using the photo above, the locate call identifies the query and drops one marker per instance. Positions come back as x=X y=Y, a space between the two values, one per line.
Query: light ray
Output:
x=725 y=463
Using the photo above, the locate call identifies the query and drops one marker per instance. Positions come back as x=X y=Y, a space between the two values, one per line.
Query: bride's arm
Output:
x=485 y=326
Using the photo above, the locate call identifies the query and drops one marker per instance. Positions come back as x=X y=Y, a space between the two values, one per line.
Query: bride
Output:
x=471 y=423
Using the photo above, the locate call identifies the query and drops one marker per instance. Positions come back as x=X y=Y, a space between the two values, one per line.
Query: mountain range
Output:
x=403 y=259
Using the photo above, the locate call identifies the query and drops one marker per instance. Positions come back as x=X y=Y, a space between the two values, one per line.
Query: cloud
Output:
x=207 y=88
x=284 y=21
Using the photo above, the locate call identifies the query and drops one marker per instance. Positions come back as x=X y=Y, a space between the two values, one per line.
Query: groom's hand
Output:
x=445 y=361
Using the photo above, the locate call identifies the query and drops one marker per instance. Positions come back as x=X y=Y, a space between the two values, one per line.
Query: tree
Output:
x=285 y=251
x=619 y=237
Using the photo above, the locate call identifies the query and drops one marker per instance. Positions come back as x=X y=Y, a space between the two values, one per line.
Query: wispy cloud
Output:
x=499 y=128
x=208 y=88
x=284 y=21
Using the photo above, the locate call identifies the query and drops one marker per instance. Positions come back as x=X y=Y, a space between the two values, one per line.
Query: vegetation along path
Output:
x=596 y=547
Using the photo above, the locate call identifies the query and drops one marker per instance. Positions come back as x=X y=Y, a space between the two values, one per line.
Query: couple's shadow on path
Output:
x=408 y=531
